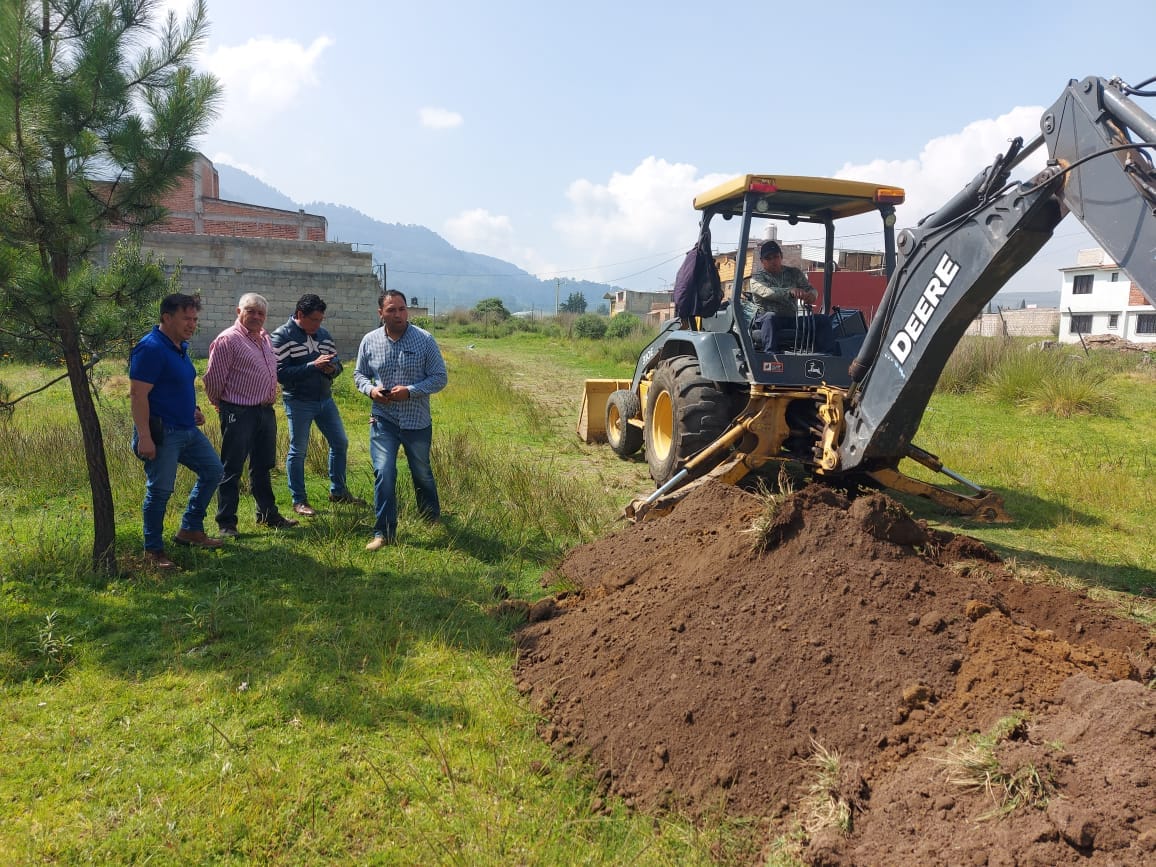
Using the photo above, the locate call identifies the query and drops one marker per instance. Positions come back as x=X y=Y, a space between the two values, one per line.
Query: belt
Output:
x=247 y=405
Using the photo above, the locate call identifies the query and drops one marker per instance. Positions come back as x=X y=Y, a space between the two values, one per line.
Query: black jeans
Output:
x=247 y=433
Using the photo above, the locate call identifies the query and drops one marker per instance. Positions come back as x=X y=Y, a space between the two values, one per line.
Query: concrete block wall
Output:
x=1024 y=322
x=221 y=270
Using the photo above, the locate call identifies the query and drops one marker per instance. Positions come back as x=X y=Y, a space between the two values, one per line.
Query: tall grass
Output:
x=972 y=362
x=1054 y=381
x=292 y=698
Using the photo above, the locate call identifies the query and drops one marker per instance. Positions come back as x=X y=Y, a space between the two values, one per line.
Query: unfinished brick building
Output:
x=226 y=249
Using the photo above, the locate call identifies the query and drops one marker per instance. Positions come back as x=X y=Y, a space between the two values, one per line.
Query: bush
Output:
x=623 y=325
x=1051 y=381
x=974 y=360
x=590 y=326
x=491 y=309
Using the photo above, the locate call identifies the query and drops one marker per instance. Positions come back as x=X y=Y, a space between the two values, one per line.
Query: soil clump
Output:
x=708 y=655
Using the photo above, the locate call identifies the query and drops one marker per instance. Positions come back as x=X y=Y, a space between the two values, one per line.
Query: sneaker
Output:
x=277 y=522
x=160 y=560
x=378 y=542
x=347 y=499
x=228 y=532
x=196 y=539
x=304 y=509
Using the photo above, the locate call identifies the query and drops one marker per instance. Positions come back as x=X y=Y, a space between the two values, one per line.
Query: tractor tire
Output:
x=685 y=413
x=624 y=438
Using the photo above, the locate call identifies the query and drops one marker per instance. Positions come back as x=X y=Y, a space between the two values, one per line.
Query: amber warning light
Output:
x=890 y=195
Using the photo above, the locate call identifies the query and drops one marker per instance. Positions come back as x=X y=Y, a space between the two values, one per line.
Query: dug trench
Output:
x=702 y=664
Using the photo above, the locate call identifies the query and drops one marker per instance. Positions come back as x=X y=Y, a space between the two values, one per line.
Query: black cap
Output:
x=770 y=248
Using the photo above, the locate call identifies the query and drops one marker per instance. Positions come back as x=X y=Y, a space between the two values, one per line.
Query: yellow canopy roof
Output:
x=800 y=196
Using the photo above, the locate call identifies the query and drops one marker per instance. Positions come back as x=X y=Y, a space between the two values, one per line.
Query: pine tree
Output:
x=99 y=107
x=575 y=303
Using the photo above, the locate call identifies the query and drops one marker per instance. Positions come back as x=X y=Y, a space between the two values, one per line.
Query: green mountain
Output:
x=418 y=261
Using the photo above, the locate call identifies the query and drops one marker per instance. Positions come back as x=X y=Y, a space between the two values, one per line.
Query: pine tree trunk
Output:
x=103 y=516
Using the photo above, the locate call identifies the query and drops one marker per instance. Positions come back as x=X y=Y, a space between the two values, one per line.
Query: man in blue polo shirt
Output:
x=166 y=420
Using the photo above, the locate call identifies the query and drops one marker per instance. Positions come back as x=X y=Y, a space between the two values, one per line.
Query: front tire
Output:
x=685 y=413
x=624 y=438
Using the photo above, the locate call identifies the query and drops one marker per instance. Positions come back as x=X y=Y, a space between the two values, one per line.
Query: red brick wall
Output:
x=234 y=219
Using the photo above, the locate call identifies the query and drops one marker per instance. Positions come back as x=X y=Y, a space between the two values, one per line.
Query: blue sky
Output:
x=570 y=139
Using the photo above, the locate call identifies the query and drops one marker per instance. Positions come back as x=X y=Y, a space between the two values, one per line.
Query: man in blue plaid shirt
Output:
x=398 y=367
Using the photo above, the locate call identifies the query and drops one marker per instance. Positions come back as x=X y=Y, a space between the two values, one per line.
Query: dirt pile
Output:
x=702 y=675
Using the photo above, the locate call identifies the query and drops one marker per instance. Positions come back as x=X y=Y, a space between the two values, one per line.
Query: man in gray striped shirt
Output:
x=398 y=367
x=307 y=364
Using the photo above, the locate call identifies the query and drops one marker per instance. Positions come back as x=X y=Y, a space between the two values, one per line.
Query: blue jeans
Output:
x=301 y=414
x=385 y=438
x=190 y=447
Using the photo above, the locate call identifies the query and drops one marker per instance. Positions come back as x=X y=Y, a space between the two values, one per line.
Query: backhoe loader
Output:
x=708 y=400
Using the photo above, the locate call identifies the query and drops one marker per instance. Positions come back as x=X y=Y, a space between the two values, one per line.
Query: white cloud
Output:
x=478 y=228
x=948 y=163
x=227 y=159
x=263 y=77
x=632 y=215
x=479 y=231
x=439 y=118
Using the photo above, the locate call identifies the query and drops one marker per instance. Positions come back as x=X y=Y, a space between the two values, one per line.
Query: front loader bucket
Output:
x=592 y=418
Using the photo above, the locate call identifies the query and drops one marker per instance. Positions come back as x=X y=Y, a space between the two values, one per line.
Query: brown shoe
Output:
x=378 y=542
x=196 y=539
x=304 y=509
x=160 y=560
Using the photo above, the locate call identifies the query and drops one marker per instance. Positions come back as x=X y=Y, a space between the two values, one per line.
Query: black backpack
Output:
x=697 y=288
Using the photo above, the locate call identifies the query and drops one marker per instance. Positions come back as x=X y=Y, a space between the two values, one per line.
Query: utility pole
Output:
x=384 y=285
x=557 y=293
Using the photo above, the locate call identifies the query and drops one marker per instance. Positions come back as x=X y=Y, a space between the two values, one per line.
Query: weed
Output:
x=770 y=499
x=823 y=807
x=976 y=767
x=208 y=616
x=53 y=645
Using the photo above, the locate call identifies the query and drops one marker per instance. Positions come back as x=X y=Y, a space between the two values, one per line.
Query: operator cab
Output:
x=818 y=344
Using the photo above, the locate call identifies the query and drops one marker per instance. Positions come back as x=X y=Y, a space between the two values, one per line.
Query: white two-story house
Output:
x=1098 y=298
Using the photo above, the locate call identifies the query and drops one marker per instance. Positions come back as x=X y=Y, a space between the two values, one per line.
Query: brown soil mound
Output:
x=699 y=674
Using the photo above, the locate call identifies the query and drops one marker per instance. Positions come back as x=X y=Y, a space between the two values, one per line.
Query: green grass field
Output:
x=294 y=699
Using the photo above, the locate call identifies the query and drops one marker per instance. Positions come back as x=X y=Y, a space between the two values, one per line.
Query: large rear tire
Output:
x=624 y=438
x=685 y=413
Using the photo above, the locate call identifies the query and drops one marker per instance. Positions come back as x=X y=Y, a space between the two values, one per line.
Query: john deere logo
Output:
x=814 y=369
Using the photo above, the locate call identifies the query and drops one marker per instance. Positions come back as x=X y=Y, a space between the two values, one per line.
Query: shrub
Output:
x=623 y=325
x=491 y=309
x=590 y=326
x=1051 y=381
x=974 y=360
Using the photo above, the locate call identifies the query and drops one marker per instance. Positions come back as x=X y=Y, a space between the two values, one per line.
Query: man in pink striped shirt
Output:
x=241 y=382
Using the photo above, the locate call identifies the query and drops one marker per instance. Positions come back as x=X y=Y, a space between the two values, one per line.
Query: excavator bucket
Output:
x=592 y=418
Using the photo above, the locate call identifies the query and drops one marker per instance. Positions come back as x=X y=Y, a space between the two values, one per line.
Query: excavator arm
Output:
x=960 y=256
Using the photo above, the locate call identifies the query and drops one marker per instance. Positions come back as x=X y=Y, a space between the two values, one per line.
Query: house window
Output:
x=1146 y=323
x=1115 y=276
x=1114 y=320
x=1080 y=324
x=1082 y=284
